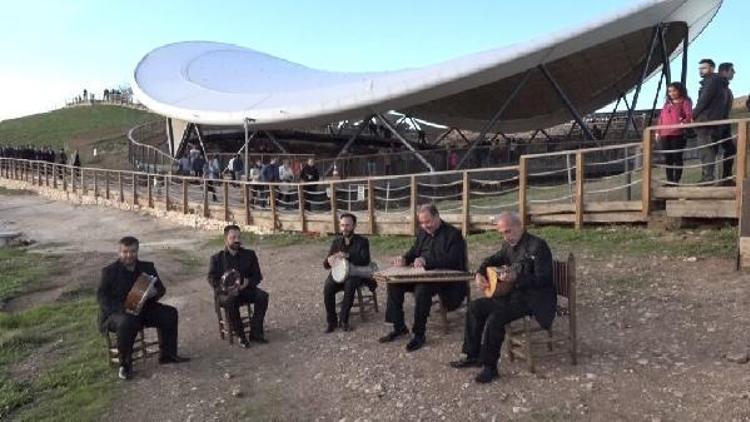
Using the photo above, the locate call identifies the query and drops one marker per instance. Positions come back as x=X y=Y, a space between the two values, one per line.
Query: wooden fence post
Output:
x=465 y=221
x=334 y=221
x=248 y=199
x=96 y=184
x=226 y=201
x=301 y=203
x=413 y=204
x=646 y=179
x=272 y=203
x=106 y=184
x=206 y=212
x=185 y=207
x=135 y=189
x=149 y=191
x=167 y=182
x=522 y=189
x=579 y=190
x=371 y=206
x=742 y=144
x=121 y=188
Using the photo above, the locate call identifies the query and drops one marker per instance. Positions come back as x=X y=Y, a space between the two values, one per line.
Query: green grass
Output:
x=59 y=128
x=22 y=271
x=72 y=383
x=70 y=377
x=603 y=241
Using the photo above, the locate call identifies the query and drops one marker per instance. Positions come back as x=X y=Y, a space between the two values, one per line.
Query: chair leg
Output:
x=444 y=317
x=527 y=345
x=509 y=342
x=361 y=305
x=375 y=300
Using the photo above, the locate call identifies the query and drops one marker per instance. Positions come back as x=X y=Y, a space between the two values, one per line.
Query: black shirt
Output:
x=244 y=261
x=116 y=283
x=358 y=250
x=444 y=249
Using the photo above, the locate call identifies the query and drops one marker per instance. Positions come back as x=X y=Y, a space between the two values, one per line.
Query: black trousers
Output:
x=451 y=295
x=154 y=314
x=674 y=160
x=349 y=287
x=728 y=149
x=485 y=326
x=232 y=304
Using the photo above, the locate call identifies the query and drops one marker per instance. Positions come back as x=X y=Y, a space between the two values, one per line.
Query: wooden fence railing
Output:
x=613 y=184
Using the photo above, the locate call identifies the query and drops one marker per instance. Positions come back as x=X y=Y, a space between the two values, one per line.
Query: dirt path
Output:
x=653 y=333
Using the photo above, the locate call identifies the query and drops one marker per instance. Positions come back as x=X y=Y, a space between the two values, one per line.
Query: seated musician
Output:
x=524 y=289
x=117 y=280
x=438 y=246
x=355 y=249
x=244 y=261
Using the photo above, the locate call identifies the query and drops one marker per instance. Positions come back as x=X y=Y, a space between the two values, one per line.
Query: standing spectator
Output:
x=198 y=164
x=236 y=167
x=453 y=160
x=309 y=172
x=677 y=110
x=212 y=170
x=106 y=94
x=286 y=176
x=184 y=166
x=711 y=105
x=726 y=74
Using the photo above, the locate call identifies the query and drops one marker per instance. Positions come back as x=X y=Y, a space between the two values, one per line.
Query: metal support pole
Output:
x=494 y=119
x=644 y=73
x=667 y=71
x=276 y=142
x=398 y=136
x=568 y=104
x=685 y=43
x=611 y=117
x=246 y=124
x=656 y=99
x=348 y=144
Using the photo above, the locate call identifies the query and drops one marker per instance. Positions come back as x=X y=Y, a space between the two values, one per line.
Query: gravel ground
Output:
x=661 y=339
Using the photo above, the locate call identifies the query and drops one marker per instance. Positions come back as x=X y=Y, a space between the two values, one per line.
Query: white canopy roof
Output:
x=222 y=84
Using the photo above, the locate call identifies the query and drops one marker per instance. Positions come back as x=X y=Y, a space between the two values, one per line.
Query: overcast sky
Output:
x=51 y=50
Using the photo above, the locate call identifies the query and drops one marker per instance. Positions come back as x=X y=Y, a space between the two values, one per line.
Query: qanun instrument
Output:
x=138 y=294
x=343 y=269
x=420 y=275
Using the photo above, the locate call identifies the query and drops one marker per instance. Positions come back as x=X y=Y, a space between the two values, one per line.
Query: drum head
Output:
x=340 y=270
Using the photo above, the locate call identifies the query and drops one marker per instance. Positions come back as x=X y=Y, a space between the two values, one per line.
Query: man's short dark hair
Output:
x=726 y=67
x=231 y=227
x=708 y=62
x=129 y=241
x=349 y=215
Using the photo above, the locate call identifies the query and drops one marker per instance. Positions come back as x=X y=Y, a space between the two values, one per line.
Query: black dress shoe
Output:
x=488 y=374
x=173 y=359
x=393 y=335
x=125 y=373
x=467 y=362
x=258 y=339
x=244 y=343
x=345 y=326
x=415 y=343
x=330 y=328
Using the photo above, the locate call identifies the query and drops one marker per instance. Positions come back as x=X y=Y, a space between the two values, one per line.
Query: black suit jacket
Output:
x=116 y=282
x=245 y=261
x=534 y=283
x=445 y=249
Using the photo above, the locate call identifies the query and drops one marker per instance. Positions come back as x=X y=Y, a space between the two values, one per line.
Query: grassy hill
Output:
x=103 y=127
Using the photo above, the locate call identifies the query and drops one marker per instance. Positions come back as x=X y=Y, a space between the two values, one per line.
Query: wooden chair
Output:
x=225 y=330
x=523 y=335
x=143 y=347
x=443 y=312
x=363 y=303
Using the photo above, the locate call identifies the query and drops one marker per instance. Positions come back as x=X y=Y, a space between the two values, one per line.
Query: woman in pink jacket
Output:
x=678 y=109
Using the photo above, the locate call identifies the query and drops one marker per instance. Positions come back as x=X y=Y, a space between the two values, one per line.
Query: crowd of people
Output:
x=44 y=153
x=715 y=101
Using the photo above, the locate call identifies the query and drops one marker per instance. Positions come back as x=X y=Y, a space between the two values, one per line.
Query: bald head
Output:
x=510 y=227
